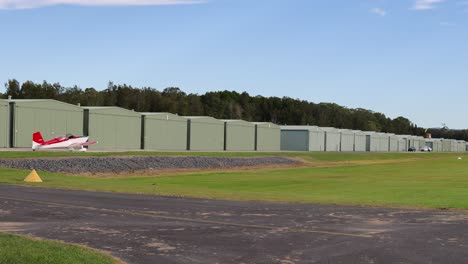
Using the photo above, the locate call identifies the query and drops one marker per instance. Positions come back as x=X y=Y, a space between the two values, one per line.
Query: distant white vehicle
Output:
x=425 y=149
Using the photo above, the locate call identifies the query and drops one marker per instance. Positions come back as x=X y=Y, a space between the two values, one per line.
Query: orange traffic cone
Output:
x=33 y=177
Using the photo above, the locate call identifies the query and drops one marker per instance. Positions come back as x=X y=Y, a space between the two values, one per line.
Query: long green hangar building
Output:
x=112 y=127
x=164 y=131
x=4 y=120
x=51 y=118
x=204 y=133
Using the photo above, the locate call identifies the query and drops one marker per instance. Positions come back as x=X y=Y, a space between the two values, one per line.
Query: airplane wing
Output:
x=83 y=144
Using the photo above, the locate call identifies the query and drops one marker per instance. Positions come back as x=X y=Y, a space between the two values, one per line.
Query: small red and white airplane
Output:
x=68 y=141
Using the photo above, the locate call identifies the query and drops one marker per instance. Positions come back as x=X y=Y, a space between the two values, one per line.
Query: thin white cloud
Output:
x=378 y=11
x=27 y=4
x=426 y=4
x=447 y=24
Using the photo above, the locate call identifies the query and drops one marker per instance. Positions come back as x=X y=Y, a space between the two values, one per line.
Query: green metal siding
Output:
x=302 y=138
x=453 y=144
x=402 y=145
x=359 y=142
x=383 y=142
x=206 y=134
x=446 y=146
x=51 y=118
x=393 y=143
x=317 y=140
x=165 y=132
x=374 y=142
x=347 y=141
x=332 y=139
x=437 y=146
x=114 y=128
x=268 y=137
x=240 y=135
x=4 y=120
x=461 y=146
x=294 y=140
x=415 y=143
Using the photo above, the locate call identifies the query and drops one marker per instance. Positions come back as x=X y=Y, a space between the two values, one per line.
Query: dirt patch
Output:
x=160 y=246
x=378 y=222
x=4 y=212
x=99 y=230
x=12 y=226
x=215 y=214
x=178 y=172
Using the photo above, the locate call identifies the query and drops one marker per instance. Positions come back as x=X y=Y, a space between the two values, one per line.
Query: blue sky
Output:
x=398 y=57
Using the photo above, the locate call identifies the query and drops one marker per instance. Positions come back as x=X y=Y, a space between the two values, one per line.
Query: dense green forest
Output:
x=224 y=105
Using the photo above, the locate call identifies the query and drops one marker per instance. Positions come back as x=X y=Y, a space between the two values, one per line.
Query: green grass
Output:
x=432 y=180
x=21 y=250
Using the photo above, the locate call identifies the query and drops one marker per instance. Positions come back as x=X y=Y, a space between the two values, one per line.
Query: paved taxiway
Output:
x=151 y=229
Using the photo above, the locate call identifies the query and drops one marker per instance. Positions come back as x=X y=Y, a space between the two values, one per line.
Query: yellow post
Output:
x=33 y=177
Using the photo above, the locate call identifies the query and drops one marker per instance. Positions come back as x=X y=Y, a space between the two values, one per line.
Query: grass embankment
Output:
x=17 y=249
x=433 y=180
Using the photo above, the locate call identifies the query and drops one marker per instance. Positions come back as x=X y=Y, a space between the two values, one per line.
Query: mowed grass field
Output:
x=431 y=180
x=18 y=249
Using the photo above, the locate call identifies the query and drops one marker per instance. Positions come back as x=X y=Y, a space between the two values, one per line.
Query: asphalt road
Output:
x=148 y=229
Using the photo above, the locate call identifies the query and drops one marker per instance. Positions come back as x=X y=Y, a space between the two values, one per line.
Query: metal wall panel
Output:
x=206 y=134
x=240 y=135
x=295 y=140
x=164 y=131
x=347 y=141
x=303 y=138
x=402 y=144
x=384 y=141
x=415 y=142
x=439 y=146
x=51 y=118
x=436 y=146
x=4 y=120
x=461 y=146
x=446 y=145
x=359 y=142
x=316 y=139
x=332 y=139
x=393 y=143
x=114 y=128
x=374 y=142
x=453 y=146
x=268 y=137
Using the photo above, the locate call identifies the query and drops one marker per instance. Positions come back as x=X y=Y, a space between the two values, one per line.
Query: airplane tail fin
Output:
x=37 y=140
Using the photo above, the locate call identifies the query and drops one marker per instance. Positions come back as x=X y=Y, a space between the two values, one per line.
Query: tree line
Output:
x=224 y=105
